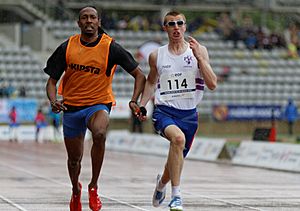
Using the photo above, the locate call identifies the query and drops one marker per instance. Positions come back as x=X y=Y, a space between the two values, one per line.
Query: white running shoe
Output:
x=158 y=196
x=176 y=204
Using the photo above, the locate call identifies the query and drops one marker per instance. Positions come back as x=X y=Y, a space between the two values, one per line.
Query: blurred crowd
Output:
x=259 y=37
x=127 y=22
x=252 y=35
x=143 y=22
x=7 y=90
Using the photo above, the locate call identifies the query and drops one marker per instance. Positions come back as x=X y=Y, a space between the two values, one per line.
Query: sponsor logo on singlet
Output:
x=166 y=66
x=188 y=60
x=80 y=67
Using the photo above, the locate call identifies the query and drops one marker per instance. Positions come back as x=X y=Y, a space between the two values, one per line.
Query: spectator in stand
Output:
x=277 y=40
x=225 y=26
x=260 y=36
x=9 y=90
x=154 y=22
x=109 y=20
x=290 y=32
x=251 y=41
x=138 y=22
x=292 y=48
x=291 y=115
x=22 y=91
x=122 y=24
x=196 y=24
x=292 y=42
x=235 y=35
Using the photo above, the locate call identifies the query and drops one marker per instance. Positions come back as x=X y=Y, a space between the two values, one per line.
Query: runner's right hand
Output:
x=58 y=106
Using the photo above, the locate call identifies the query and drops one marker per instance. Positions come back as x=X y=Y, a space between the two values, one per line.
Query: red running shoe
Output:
x=75 y=203
x=94 y=200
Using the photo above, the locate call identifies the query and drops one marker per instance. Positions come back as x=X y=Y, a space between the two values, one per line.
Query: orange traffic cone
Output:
x=272 y=136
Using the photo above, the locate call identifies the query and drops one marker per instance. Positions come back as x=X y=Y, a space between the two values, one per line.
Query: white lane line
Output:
x=68 y=185
x=12 y=203
x=226 y=202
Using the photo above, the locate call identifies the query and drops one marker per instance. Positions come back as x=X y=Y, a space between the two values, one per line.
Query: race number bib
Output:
x=177 y=85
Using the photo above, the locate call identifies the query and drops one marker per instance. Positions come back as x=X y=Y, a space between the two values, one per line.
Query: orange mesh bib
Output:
x=85 y=81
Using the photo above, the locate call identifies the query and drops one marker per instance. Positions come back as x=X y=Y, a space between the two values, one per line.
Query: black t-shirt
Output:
x=57 y=64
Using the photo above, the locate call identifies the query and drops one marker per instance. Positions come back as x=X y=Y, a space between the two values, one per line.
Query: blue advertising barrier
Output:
x=26 y=109
x=247 y=112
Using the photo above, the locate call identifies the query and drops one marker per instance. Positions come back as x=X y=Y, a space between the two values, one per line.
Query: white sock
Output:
x=161 y=186
x=176 y=191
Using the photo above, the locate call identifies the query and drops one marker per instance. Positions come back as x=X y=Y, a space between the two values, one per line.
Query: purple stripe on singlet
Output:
x=199 y=87
x=199 y=80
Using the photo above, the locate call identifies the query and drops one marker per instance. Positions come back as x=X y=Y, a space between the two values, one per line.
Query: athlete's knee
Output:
x=178 y=141
x=74 y=162
x=99 y=137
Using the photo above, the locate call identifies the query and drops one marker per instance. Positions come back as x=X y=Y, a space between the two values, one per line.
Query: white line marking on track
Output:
x=68 y=185
x=226 y=202
x=12 y=203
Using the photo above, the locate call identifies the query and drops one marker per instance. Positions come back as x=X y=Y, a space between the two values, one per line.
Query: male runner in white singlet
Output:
x=178 y=73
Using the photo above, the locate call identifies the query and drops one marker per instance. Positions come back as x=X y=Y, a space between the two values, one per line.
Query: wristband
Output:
x=132 y=101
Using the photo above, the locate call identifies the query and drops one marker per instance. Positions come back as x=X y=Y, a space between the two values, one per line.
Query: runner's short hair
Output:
x=173 y=13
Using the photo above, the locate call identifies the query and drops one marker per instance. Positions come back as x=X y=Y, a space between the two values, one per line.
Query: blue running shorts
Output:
x=75 y=122
x=186 y=120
